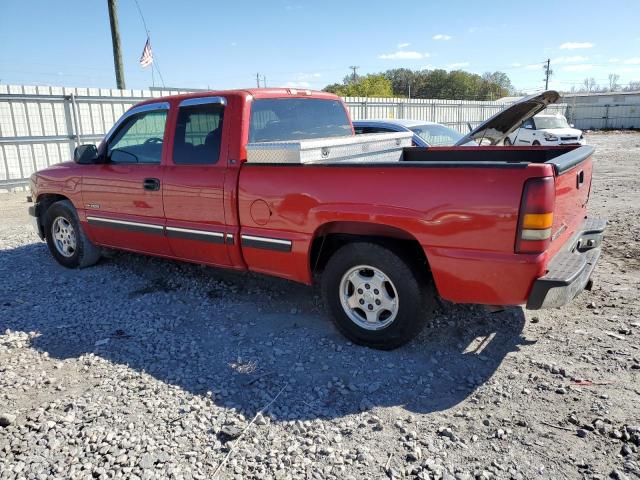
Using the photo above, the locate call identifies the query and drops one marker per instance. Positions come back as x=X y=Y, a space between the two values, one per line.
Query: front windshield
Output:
x=550 y=122
x=437 y=135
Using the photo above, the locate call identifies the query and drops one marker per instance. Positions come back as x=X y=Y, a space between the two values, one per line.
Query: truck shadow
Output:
x=240 y=338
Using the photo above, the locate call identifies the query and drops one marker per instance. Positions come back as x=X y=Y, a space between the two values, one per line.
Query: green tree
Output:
x=441 y=84
x=364 y=86
x=402 y=79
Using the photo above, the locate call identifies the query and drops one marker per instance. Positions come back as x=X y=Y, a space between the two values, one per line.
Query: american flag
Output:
x=147 y=55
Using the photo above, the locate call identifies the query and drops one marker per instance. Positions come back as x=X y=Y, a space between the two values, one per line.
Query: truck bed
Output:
x=562 y=157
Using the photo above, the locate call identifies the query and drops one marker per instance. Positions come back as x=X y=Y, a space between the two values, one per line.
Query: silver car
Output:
x=425 y=134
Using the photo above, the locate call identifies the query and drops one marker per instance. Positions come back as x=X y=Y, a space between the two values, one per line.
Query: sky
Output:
x=309 y=44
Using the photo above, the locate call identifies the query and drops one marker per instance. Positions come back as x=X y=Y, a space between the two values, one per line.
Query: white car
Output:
x=546 y=129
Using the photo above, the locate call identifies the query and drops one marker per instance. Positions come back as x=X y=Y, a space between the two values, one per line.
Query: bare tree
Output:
x=614 y=86
x=589 y=84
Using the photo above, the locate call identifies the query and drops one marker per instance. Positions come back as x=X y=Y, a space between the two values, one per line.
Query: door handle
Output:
x=151 y=184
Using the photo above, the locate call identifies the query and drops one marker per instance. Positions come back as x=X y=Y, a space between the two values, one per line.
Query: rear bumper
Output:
x=569 y=272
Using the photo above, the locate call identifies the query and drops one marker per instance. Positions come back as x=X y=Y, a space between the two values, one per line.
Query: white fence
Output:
x=41 y=126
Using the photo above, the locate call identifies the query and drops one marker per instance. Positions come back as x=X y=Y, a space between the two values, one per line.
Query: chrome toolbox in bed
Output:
x=374 y=147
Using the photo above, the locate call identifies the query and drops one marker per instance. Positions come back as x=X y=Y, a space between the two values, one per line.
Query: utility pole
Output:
x=258 y=79
x=115 y=40
x=547 y=73
x=354 y=75
x=264 y=81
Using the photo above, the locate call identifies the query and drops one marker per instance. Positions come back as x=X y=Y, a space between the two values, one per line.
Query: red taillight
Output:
x=536 y=215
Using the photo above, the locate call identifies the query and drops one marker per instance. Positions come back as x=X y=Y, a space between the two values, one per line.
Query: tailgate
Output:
x=573 y=185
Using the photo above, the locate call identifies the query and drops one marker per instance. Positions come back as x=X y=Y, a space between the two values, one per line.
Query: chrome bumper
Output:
x=570 y=270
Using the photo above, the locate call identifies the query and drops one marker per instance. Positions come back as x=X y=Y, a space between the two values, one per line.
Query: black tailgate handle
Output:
x=151 y=184
x=580 y=178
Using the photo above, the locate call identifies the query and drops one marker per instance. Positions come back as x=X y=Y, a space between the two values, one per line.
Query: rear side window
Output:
x=198 y=134
x=376 y=130
x=282 y=119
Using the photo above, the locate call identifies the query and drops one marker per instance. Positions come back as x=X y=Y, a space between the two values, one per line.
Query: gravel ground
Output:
x=146 y=368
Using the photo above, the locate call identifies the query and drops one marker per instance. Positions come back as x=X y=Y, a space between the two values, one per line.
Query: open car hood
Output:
x=510 y=119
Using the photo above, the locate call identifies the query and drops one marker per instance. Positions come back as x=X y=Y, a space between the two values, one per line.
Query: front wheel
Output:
x=375 y=297
x=536 y=143
x=66 y=240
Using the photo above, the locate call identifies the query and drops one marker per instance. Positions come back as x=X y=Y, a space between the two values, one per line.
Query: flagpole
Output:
x=153 y=63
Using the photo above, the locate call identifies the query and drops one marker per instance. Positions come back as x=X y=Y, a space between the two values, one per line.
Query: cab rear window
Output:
x=282 y=119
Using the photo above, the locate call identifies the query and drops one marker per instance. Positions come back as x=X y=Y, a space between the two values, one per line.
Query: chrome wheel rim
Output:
x=369 y=297
x=64 y=236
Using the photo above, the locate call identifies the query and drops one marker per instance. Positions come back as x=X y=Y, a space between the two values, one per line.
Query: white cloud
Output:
x=233 y=44
x=628 y=69
x=453 y=66
x=441 y=36
x=575 y=45
x=632 y=61
x=533 y=66
x=306 y=76
x=427 y=67
x=516 y=64
x=573 y=59
x=614 y=60
x=297 y=84
x=583 y=67
x=403 y=45
x=403 y=55
x=472 y=29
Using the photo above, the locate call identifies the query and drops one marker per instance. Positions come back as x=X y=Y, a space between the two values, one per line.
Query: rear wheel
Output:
x=66 y=240
x=375 y=297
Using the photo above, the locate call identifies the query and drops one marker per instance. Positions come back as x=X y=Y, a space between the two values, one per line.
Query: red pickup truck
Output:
x=489 y=225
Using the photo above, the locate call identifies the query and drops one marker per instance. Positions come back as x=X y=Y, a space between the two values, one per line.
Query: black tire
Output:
x=507 y=142
x=85 y=253
x=536 y=143
x=416 y=297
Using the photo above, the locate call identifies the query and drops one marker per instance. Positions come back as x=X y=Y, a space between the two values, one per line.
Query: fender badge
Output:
x=93 y=205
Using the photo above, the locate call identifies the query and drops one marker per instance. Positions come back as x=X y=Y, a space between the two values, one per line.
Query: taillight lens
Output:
x=536 y=215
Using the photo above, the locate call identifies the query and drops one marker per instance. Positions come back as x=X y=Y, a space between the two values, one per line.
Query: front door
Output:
x=123 y=196
x=193 y=189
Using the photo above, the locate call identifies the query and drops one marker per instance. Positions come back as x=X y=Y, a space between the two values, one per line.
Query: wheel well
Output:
x=331 y=237
x=43 y=203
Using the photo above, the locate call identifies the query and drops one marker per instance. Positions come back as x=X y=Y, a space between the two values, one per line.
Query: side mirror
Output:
x=86 y=154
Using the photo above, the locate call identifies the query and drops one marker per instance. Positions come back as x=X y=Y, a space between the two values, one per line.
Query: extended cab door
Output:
x=193 y=189
x=123 y=196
